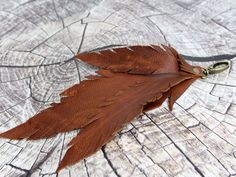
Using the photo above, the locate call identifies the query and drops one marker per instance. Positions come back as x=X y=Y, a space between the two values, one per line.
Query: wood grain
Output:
x=38 y=40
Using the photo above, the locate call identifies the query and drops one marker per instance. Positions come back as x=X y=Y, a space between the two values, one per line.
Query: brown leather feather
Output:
x=134 y=59
x=132 y=80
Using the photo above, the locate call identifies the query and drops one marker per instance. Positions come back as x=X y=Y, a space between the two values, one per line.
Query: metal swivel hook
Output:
x=217 y=67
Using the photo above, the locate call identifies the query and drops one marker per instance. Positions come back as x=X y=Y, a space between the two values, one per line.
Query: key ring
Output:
x=217 y=67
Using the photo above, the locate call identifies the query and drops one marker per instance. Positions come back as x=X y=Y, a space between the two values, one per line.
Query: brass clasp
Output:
x=217 y=67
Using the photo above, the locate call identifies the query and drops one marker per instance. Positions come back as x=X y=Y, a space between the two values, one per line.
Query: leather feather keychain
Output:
x=131 y=80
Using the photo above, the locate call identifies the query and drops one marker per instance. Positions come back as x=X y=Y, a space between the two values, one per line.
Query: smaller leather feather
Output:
x=131 y=80
x=134 y=59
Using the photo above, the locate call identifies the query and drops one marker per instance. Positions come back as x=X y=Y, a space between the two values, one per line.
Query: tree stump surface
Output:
x=38 y=40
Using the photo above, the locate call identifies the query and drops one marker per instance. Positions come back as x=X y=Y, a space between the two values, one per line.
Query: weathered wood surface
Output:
x=38 y=41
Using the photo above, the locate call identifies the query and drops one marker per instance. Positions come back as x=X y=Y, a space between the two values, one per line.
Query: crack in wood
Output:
x=83 y=34
x=10 y=30
x=24 y=3
x=62 y=147
x=223 y=26
x=194 y=126
x=31 y=92
x=18 y=168
x=41 y=65
x=109 y=162
x=86 y=168
x=160 y=30
x=78 y=71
